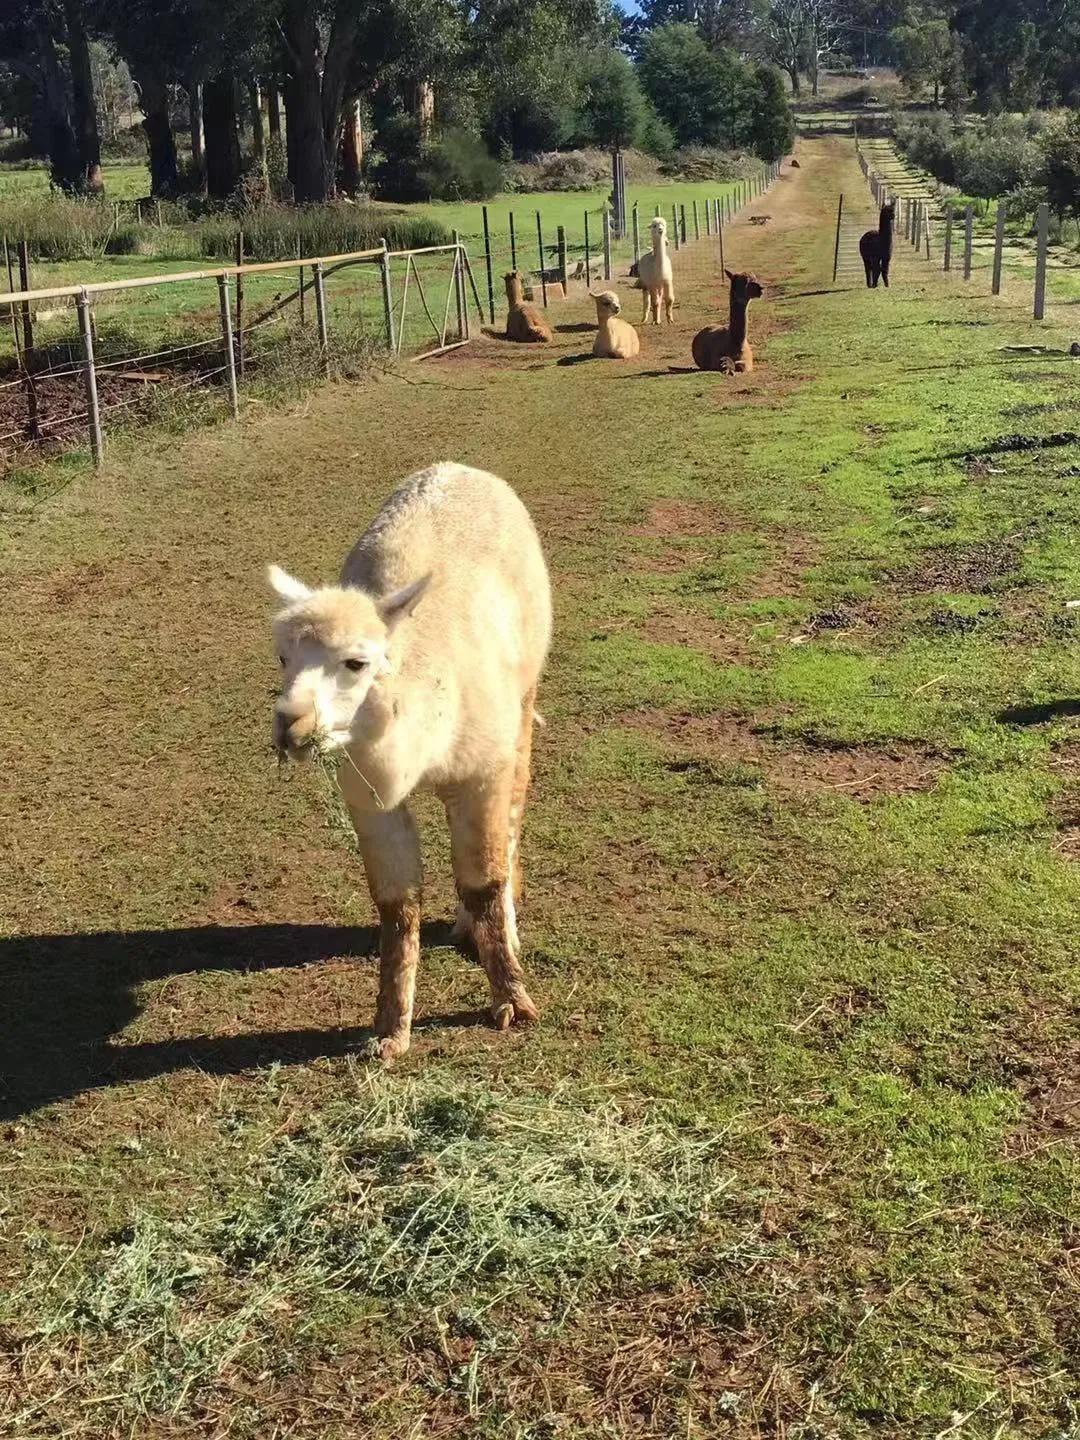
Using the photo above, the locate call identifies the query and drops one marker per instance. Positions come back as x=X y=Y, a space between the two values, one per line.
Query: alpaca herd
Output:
x=722 y=348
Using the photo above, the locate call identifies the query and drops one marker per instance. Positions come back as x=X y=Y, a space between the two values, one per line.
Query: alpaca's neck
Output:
x=737 y=321
x=658 y=245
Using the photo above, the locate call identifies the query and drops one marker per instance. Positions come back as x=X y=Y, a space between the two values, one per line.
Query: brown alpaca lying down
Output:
x=724 y=347
x=524 y=323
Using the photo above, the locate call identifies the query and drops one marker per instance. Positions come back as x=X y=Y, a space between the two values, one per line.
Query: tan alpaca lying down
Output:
x=524 y=322
x=420 y=669
x=725 y=347
x=615 y=339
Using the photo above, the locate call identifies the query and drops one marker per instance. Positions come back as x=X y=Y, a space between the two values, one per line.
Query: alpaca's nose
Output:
x=294 y=726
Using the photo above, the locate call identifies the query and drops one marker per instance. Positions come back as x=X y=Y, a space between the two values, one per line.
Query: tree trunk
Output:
x=303 y=108
x=64 y=166
x=198 y=140
x=273 y=110
x=154 y=101
x=82 y=94
x=351 y=155
x=222 y=138
x=937 y=92
x=425 y=108
x=258 y=125
x=335 y=74
x=796 y=89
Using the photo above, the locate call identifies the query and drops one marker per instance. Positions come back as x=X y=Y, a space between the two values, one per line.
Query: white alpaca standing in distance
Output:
x=421 y=666
x=655 y=275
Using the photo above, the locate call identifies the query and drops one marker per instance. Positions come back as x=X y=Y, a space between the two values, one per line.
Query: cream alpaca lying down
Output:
x=421 y=667
x=615 y=339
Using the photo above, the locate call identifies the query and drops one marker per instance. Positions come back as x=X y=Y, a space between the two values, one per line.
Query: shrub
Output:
x=1059 y=166
x=987 y=158
x=657 y=136
x=771 y=129
x=457 y=166
x=613 y=105
x=452 y=166
x=273 y=232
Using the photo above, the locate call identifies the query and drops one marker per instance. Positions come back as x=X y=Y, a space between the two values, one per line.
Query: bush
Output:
x=272 y=233
x=457 y=166
x=988 y=158
x=771 y=130
x=657 y=136
x=1059 y=164
x=704 y=162
x=453 y=166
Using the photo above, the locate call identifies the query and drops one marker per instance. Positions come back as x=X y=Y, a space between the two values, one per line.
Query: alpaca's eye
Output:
x=356 y=666
x=282 y=659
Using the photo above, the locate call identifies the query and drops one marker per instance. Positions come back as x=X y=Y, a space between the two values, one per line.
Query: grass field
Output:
x=793 y=1151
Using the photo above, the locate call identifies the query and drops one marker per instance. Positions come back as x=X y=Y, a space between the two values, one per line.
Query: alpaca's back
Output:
x=616 y=340
x=487 y=613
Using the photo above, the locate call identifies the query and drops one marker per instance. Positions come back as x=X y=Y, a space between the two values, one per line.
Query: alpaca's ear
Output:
x=285 y=586
x=729 y=275
x=403 y=602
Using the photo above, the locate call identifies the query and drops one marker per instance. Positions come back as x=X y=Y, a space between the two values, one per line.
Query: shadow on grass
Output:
x=1040 y=714
x=578 y=328
x=65 y=995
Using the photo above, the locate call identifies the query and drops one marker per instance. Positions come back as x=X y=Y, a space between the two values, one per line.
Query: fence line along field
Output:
x=792 y=1151
x=132 y=345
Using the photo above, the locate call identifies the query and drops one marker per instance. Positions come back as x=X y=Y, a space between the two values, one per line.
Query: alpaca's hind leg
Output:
x=522 y=771
x=868 y=269
x=885 y=273
x=646 y=305
x=390 y=847
x=480 y=836
x=669 y=302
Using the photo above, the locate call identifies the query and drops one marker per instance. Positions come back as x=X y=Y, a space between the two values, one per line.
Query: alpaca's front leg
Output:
x=479 y=815
x=390 y=847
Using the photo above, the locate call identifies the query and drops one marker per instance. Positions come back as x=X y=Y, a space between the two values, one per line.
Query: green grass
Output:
x=124 y=180
x=793 y=1150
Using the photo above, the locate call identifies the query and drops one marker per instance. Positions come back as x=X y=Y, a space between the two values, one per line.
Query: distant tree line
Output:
x=281 y=97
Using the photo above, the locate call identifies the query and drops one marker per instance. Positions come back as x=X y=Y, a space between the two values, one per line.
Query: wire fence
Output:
x=74 y=356
x=977 y=244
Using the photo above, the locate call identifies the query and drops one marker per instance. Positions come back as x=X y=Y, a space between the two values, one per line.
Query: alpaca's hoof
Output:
x=388 y=1047
x=520 y=1010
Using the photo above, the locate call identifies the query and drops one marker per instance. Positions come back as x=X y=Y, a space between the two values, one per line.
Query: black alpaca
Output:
x=875 y=247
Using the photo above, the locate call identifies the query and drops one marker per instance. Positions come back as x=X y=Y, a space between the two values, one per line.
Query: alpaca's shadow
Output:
x=576 y=329
x=1040 y=714
x=66 y=995
x=663 y=374
x=576 y=359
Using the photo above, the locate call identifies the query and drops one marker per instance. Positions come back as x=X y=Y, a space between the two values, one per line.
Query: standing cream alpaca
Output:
x=655 y=275
x=421 y=666
x=615 y=339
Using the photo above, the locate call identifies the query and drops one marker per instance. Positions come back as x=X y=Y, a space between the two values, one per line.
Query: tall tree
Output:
x=221 y=124
x=84 y=106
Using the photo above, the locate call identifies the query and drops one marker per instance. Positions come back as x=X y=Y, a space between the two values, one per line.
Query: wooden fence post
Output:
x=588 y=250
x=487 y=262
x=675 y=223
x=697 y=232
x=708 y=218
x=836 y=247
x=540 y=249
x=90 y=376
x=969 y=214
x=387 y=295
x=999 y=245
x=461 y=304
x=637 y=235
x=301 y=297
x=682 y=221
x=32 y=423
x=607 y=243
x=947 y=263
x=513 y=244
x=320 y=316
x=560 y=233
x=227 y=342
x=239 y=302
x=720 y=237
x=1042 y=220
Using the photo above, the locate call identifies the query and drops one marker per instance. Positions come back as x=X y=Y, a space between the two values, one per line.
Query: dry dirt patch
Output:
x=860 y=772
